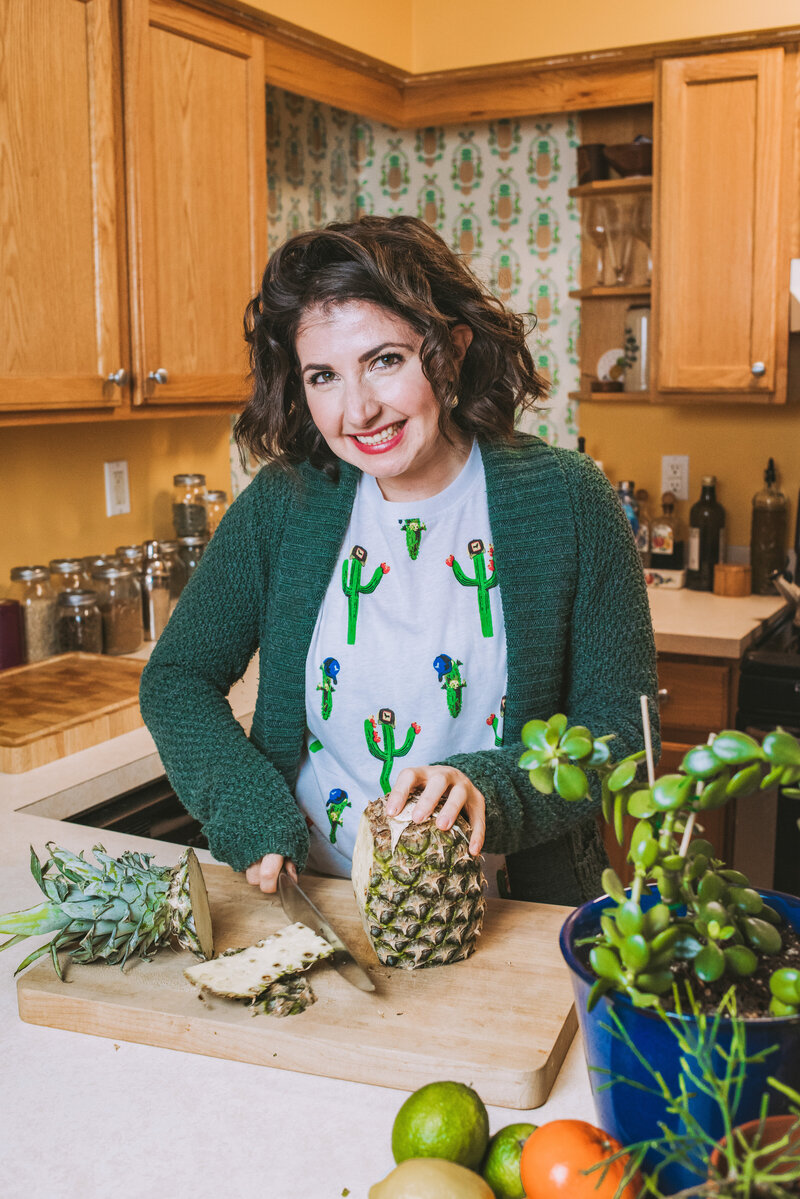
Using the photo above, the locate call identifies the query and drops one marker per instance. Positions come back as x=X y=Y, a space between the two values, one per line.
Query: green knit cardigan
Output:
x=578 y=634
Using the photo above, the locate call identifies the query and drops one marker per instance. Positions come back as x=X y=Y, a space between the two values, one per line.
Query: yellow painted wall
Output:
x=728 y=441
x=438 y=35
x=52 y=489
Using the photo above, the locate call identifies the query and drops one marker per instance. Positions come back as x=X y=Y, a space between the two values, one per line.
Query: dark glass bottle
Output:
x=706 y=537
x=768 y=533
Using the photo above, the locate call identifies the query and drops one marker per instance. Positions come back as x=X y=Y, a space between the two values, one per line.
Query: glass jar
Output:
x=216 y=507
x=30 y=586
x=79 y=625
x=12 y=639
x=190 y=551
x=189 y=505
x=119 y=598
x=88 y=564
x=169 y=554
x=129 y=555
x=155 y=579
x=66 y=574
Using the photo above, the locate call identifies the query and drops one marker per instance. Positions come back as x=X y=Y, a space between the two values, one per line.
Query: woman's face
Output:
x=368 y=397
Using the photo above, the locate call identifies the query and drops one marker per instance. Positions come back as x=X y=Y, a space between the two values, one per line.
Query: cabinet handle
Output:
x=159 y=376
x=663 y=695
x=758 y=369
x=119 y=377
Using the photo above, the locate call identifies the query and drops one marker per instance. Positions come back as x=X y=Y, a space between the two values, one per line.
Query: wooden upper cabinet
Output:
x=719 y=238
x=196 y=169
x=64 y=328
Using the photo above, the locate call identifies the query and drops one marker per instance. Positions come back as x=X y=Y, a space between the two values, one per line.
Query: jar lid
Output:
x=626 y=485
x=110 y=571
x=180 y=480
x=219 y=496
x=168 y=547
x=192 y=541
x=30 y=574
x=92 y=560
x=65 y=566
x=77 y=598
x=129 y=553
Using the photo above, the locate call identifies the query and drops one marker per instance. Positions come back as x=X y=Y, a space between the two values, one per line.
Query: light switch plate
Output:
x=675 y=475
x=118 y=494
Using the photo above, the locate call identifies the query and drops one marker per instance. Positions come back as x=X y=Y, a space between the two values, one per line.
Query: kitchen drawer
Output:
x=694 y=695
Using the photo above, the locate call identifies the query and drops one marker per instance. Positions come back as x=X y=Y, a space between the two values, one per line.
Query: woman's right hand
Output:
x=264 y=873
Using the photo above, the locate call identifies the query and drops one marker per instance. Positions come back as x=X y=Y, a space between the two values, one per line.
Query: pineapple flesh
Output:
x=110 y=910
x=420 y=894
x=247 y=973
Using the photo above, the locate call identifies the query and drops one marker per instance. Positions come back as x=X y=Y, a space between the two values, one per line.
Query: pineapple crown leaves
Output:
x=97 y=911
x=696 y=910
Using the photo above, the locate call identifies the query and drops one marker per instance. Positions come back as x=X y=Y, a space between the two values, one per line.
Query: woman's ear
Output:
x=461 y=336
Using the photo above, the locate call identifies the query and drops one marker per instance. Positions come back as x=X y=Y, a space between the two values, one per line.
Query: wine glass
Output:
x=643 y=227
x=619 y=234
x=596 y=229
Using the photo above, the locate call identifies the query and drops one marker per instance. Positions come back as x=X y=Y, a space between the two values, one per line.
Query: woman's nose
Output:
x=361 y=405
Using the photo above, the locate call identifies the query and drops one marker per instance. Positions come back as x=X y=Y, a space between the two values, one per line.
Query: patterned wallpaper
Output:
x=497 y=191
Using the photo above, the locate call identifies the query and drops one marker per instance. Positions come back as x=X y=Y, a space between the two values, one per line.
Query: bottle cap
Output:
x=709 y=480
x=769 y=473
x=668 y=500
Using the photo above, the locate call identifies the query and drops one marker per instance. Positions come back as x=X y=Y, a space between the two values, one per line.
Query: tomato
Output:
x=556 y=1154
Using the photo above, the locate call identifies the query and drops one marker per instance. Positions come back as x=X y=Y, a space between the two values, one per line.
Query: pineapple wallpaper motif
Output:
x=497 y=192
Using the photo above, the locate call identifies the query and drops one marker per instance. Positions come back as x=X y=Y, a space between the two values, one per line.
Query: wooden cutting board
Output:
x=501 y=1021
x=56 y=707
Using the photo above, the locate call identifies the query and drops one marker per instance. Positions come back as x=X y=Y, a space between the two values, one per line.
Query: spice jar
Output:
x=190 y=551
x=177 y=575
x=189 y=505
x=12 y=640
x=88 y=564
x=79 y=625
x=119 y=599
x=66 y=574
x=155 y=591
x=30 y=585
x=130 y=555
x=216 y=507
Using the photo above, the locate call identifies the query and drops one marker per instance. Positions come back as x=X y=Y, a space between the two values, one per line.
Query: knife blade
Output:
x=298 y=906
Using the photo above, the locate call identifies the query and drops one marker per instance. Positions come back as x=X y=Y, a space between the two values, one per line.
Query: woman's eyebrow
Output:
x=365 y=357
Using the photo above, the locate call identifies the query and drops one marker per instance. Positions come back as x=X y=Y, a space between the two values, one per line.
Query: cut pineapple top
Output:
x=250 y=971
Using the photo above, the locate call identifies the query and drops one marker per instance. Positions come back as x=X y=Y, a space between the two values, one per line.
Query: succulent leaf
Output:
x=785 y=985
x=741 y=960
x=709 y=965
x=570 y=781
x=737 y=748
x=612 y=885
x=763 y=937
x=672 y=792
x=701 y=762
x=782 y=749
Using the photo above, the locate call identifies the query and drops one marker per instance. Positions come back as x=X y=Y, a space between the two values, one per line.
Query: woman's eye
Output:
x=389 y=359
x=320 y=377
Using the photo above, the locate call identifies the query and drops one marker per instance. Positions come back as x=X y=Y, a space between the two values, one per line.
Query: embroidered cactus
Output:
x=413 y=529
x=451 y=680
x=351 y=585
x=335 y=806
x=330 y=669
x=497 y=723
x=389 y=752
x=483 y=581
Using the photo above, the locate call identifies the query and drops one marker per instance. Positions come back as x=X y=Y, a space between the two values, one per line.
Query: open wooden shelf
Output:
x=610 y=187
x=608 y=293
x=608 y=396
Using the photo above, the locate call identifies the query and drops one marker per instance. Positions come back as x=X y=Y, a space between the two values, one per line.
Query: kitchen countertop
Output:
x=712 y=626
x=91 y=1116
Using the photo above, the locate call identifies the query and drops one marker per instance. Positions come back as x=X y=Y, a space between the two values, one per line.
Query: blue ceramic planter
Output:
x=632 y=1115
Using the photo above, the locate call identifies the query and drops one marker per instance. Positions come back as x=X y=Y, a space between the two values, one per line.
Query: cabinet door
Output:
x=718 y=237
x=60 y=207
x=195 y=155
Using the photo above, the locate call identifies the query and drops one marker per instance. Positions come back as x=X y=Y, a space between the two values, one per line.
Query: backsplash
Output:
x=497 y=192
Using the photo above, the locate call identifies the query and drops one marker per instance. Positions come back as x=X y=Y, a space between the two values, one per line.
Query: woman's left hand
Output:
x=435 y=780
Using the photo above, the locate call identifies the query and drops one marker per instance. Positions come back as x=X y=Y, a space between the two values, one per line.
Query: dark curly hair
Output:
x=401 y=264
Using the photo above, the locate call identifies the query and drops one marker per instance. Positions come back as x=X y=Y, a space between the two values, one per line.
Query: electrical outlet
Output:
x=675 y=475
x=118 y=494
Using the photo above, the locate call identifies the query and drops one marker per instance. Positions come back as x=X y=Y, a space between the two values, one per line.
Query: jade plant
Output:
x=704 y=913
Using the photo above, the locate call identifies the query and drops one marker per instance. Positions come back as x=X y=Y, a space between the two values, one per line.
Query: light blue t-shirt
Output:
x=407 y=664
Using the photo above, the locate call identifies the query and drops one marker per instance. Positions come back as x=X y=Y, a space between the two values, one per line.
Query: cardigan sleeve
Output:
x=222 y=778
x=609 y=663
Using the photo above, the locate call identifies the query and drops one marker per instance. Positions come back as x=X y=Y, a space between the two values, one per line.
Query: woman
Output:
x=419 y=579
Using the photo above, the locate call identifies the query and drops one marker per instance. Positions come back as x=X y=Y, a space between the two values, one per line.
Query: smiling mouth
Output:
x=381 y=439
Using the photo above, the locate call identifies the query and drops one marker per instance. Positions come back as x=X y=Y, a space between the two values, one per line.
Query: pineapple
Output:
x=247 y=973
x=108 y=911
x=418 y=888
x=286 y=997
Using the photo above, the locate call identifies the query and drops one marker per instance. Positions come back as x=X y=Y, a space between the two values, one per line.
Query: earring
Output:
x=454 y=402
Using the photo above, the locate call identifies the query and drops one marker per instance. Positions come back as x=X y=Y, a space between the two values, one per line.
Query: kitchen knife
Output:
x=298 y=906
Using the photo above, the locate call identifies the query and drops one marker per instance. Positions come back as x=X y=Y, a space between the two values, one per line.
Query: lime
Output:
x=443 y=1119
x=501 y=1164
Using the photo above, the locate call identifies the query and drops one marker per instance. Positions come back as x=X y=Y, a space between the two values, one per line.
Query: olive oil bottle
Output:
x=706 y=537
x=768 y=533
